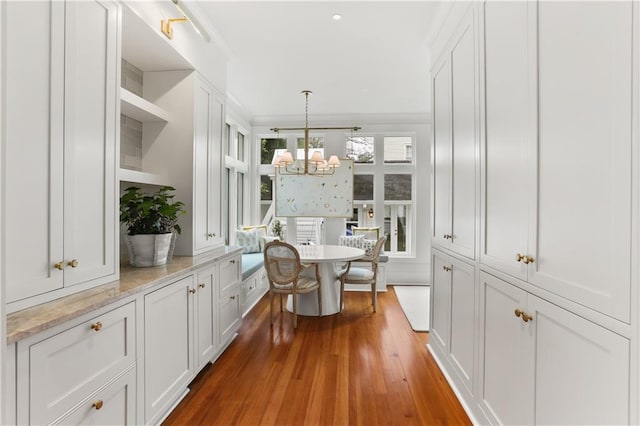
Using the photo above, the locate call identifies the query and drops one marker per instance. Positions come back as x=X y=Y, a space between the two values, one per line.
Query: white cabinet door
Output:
x=507 y=141
x=206 y=317
x=463 y=315
x=33 y=187
x=60 y=214
x=208 y=118
x=582 y=369
x=507 y=388
x=464 y=136
x=441 y=300
x=229 y=302
x=441 y=157
x=90 y=123
x=581 y=221
x=168 y=346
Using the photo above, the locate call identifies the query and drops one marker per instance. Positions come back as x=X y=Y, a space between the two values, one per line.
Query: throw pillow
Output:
x=351 y=240
x=262 y=232
x=249 y=240
x=368 y=246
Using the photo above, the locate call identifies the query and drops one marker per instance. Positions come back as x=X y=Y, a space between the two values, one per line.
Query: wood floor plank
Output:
x=353 y=368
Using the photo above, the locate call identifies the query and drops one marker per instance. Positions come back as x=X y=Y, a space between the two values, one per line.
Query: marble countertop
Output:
x=30 y=321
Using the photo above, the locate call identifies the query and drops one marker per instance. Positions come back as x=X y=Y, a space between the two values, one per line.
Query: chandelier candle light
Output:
x=285 y=163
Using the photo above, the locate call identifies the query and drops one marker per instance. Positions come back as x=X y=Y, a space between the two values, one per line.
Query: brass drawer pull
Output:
x=201 y=285
x=73 y=263
x=192 y=290
x=96 y=326
x=518 y=313
x=528 y=259
x=232 y=297
x=98 y=404
x=519 y=257
x=526 y=317
x=59 y=266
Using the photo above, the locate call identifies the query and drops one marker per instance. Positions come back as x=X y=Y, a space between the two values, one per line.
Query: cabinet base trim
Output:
x=172 y=406
x=476 y=416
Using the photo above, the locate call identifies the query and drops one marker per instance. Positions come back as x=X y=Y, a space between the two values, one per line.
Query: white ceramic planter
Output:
x=150 y=249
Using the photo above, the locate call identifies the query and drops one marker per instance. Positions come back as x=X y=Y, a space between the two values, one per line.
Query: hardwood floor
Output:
x=354 y=368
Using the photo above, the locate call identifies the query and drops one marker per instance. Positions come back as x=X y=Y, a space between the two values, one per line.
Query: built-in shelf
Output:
x=134 y=176
x=140 y=109
x=145 y=47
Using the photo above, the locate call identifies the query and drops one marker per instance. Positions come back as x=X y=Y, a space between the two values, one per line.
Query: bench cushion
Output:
x=251 y=262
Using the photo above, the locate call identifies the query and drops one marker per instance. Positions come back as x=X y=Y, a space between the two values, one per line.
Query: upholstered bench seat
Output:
x=251 y=262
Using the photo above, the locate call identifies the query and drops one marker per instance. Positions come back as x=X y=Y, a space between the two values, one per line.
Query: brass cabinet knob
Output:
x=59 y=266
x=446 y=268
x=232 y=297
x=192 y=290
x=201 y=285
x=447 y=236
x=518 y=312
x=73 y=263
x=98 y=404
x=211 y=235
x=519 y=257
x=232 y=261
x=526 y=317
x=528 y=259
x=96 y=326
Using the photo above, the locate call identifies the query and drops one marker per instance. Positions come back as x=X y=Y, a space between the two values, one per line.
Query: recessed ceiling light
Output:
x=336 y=17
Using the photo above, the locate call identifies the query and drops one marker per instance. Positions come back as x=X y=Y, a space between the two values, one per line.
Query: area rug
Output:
x=414 y=301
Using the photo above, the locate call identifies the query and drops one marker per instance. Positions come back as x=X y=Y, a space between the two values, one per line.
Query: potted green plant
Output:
x=152 y=223
x=277 y=230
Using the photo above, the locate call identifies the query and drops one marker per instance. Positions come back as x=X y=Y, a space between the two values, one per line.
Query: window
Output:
x=240 y=199
x=227 y=138
x=383 y=188
x=240 y=144
x=397 y=208
x=360 y=149
x=316 y=143
x=236 y=169
x=269 y=147
x=395 y=149
x=266 y=194
x=363 y=187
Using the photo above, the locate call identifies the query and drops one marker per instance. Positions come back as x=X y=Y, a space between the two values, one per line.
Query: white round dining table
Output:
x=326 y=256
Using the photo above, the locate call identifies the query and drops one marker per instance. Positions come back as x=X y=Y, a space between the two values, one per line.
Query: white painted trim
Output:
x=467 y=408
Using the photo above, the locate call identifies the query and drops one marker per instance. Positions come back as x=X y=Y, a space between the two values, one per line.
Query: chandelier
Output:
x=316 y=165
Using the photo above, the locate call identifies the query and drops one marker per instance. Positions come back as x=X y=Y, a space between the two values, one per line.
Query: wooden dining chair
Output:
x=364 y=275
x=282 y=262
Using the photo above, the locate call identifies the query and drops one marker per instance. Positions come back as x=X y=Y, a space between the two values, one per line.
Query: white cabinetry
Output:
x=456 y=96
x=557 y=210
x=60 y=148
x=206 y=316
x=186 y=325
x=58 y=369
x=546 y=365
x=188 y=148
x=454 y=314
x=229 y=306
x=555 y=330
x=168 y=346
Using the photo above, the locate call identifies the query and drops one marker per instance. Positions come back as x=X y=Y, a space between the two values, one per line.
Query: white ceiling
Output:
x=372 y=61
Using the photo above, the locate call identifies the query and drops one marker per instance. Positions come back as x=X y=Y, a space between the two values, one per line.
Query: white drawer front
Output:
x=68 y=366
x=113 y=405
x=229 y=273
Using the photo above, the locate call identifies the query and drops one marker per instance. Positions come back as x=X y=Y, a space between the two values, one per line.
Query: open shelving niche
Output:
x=148 y=51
